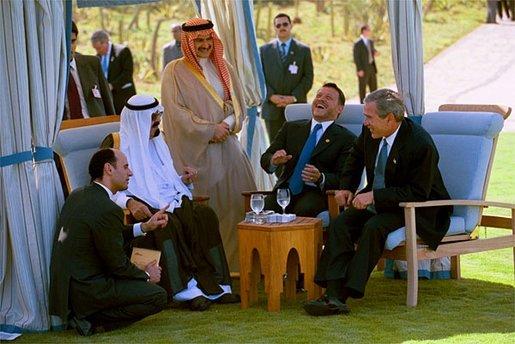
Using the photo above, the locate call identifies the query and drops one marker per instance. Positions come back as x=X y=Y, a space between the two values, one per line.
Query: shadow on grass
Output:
x=446 y=309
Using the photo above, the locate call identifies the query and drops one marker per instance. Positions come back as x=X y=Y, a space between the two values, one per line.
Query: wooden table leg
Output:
x=292 y=273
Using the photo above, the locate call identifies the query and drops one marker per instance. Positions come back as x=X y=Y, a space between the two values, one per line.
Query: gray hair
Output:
x=174 y=26
x=99 y=36
x=387 y=101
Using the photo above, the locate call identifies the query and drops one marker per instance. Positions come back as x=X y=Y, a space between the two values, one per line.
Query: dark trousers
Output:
x=309 y=203
x=370 y=79
x=134 y=301
x=191 y=246
x=349 y=266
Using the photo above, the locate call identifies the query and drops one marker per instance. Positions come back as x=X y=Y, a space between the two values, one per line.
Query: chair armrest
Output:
x=200 y=199
x=487 y=221
x=332 y=205
x=246 y=197
x=465 y=202
x=128 y=219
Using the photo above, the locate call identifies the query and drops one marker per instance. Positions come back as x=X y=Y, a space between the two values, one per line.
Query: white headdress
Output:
x=136 y=120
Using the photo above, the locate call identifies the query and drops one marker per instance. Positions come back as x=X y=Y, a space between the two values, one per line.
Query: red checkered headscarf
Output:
x=194 y=28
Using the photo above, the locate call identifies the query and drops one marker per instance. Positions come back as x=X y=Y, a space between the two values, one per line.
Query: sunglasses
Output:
x=285 y=24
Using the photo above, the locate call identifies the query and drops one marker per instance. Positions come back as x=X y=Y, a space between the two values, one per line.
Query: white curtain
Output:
x=234 y=24
x=32 y=79
x=405 y=19
x=407 y=52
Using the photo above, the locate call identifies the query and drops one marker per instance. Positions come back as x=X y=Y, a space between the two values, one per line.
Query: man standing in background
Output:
x=172 y=51
x=364 y=58
x=88 y=93
x=288 y=70
x=117 y=65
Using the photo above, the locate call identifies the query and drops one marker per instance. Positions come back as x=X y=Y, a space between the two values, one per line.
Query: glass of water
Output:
x=257 y=203
x=283 y=198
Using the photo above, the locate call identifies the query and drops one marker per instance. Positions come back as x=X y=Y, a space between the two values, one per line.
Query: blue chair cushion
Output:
x=398 y=236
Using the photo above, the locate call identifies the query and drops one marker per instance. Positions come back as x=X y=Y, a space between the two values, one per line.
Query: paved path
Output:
x=479 y=68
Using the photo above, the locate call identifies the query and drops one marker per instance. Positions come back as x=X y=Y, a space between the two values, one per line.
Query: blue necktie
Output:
x=283 y=52
x=296 y=182
x=105 y=67
x=380 y=167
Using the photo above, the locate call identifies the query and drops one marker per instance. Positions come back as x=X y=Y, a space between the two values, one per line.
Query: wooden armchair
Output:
x=77 y=141
x=472 y=138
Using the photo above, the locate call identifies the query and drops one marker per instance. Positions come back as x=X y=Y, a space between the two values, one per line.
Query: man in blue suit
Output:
x=288 y=70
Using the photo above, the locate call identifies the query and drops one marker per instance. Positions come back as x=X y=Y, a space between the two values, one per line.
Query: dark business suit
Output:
x=279 y=80
x=90 y=276
x=91 y=76
x=411 y=175
x=120 y=76
x=171 y=51
x=361 y=59
x=329 y=157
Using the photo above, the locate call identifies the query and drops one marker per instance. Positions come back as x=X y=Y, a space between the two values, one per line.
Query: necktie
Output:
x=369 y=48
x=380 y=167
x=284 y=54
x=73 y=99
x=105 y=65
x=296 y=183
x=379 y=172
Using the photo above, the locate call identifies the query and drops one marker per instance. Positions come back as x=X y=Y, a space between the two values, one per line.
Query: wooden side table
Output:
x=275 y=249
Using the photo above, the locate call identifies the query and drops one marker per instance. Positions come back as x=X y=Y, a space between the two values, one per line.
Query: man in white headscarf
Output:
x=193 y=260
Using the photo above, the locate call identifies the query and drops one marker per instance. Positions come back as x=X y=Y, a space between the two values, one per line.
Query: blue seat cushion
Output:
x=398 y=236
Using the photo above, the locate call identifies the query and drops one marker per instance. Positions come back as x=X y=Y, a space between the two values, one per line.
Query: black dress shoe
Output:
x=199 y=304
x=326 y=305
x=229 y=298
x=82 y=326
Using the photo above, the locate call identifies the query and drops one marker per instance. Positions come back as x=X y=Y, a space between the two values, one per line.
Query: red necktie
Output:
x=73 y=99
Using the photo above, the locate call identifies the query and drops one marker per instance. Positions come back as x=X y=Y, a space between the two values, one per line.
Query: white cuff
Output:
x=136 y=229
x=230 y=120
x=121 y=199
x=321 y=185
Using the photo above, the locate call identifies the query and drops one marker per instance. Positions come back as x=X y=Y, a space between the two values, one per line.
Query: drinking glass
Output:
x=283 y=198
x=257 y=203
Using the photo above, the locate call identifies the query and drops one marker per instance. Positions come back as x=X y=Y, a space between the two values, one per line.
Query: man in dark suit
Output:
x=401 y=164
x=93 y=285
x=172 y=50
x=364 y=58
x=309 y=172
x=288 y=70
x=117 y=65
x=88 y=93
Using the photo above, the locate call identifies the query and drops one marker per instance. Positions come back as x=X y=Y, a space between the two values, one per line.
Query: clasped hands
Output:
x=310 y=174
x=281 y=101
x=222 y=132
x=346 y=198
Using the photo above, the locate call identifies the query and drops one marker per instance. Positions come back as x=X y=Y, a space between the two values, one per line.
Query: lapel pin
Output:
x=394 y=161
x=327 y=140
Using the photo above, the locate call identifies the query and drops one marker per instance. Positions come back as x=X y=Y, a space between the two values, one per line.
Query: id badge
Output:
x=293 y=68
x=96 y=92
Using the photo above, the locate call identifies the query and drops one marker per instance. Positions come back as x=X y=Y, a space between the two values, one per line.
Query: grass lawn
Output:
x=479 y=308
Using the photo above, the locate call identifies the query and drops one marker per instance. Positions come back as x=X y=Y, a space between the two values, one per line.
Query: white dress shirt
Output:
x=390 y=140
